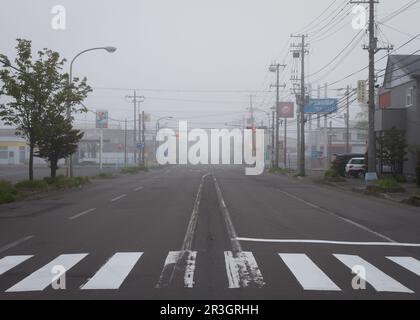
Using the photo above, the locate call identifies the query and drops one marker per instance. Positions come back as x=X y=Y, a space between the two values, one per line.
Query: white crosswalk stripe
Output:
x=307 y=272
x=408 y=263
x=43 y=277
x=10 y=262
x=380 y=281
x=242 y=271
x=114 y=272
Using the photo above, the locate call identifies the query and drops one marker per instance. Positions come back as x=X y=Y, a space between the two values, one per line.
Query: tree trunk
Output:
x=53 y=167
x=31 y=161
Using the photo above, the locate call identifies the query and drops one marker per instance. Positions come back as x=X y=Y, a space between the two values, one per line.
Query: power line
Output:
x=401 y=10
x=322 y=13
x=174 y=90
x=340 y=53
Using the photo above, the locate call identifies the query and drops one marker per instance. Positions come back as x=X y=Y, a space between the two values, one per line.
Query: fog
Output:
x=194 y=60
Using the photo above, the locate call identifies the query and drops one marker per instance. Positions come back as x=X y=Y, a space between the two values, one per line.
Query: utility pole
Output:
x=285 y=144
x=101 y=148
x=373 y=42
x=330 y=137
x=125 y=144
x=318 y=137
x=302 y=49
x=276 y=68
x=251 y=108
x=327 y=164
x=273 y=140
x=140 y=137
x=253 y=125
x=135 y=99
x=143 y=139
x=348 y=119
x=372 y=49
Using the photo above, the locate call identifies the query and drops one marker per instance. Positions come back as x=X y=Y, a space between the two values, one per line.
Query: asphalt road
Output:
x=208 y=233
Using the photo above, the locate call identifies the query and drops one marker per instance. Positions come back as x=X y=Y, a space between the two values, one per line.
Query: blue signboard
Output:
x=322 y=106
x=316 y=154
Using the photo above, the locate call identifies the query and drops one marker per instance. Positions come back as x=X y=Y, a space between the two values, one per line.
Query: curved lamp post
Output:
x=70 y=81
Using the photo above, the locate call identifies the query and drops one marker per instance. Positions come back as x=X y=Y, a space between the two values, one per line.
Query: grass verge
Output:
x=11 y=193
x=8 y=193
x=282 y=171
x=104 y=175
x=413 y=200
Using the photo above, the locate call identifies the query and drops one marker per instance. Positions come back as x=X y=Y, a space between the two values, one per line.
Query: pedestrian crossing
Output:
x=242 y=271
x=307 y=273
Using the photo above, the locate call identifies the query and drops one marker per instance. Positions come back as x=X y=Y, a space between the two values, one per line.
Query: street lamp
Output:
x=70 y=81
x=160 y=119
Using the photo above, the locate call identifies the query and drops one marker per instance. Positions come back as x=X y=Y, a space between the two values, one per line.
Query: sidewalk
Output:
x=357 y=185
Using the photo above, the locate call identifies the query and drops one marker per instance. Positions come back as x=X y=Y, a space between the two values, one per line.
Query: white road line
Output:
x=10 y=262
x=15 y=243
x=307 y=272
x=241 y=267
x=43 y=277
x=408 y=263
x=345 y=243
x=377 y=279
x=183 y=260
x=236 y=246
x=114 y=272
x=82 y=214
x=118 y=198
x=312 y=205
x=190 y=269
x=138 y=189
x=242 y=270
x=178 y=261
x=189 y=235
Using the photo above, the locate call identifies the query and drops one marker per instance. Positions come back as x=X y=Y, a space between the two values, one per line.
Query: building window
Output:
x=409 y=98
x=22 y=154
x=4 y=153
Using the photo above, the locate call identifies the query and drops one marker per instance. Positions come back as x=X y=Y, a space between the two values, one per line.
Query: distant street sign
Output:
x=140 y=145
x=321 y=106
x=362 y=92
x=316 y=154
x=101 y=119
x=286 y=109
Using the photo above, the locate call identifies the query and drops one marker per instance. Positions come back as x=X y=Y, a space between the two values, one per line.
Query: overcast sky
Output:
x=187 y=45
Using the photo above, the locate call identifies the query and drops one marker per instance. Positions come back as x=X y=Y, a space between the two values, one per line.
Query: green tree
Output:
x=39 y=93
x=57 y=141
x=414 y=149
x=393 y=148
x=24 y=109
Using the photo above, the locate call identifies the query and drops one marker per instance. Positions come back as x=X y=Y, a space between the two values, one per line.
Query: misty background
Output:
x=195 y=60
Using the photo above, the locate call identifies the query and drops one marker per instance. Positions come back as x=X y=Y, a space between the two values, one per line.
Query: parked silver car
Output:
x=356 y=167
